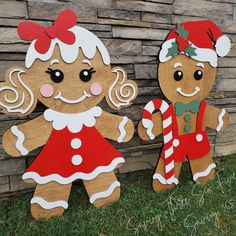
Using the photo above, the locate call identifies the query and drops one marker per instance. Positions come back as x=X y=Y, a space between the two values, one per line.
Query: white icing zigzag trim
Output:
x=74 y=122
x=48 y=205
x=78 y=175
x=105 y=193
x=163 y=180
x=122 y=129
x=20 y=140
x=220 y=120
x=205 y=172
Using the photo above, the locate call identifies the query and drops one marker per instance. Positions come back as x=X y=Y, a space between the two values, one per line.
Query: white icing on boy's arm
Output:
x=122 y=130
x=220 y=120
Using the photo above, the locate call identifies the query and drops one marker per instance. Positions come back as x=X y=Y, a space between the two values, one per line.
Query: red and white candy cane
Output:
x=167 y=118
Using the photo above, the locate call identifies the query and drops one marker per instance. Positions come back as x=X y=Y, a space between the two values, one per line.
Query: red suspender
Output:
x=200 y=116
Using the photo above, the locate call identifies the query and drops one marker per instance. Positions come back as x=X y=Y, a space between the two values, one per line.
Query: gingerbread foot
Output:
x=103 y=190
x=159 y=183
x=203 y=169
x=50 y=200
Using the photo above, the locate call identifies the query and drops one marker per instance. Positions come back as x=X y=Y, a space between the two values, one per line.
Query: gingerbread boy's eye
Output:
x=86 y=75
x=178 y=75
x=198 y=74
x=56 y=75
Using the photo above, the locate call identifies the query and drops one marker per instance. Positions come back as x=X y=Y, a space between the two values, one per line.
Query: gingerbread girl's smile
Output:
x=72 y=101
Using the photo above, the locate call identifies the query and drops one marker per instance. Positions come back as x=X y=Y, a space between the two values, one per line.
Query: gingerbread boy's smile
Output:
x=179 y=90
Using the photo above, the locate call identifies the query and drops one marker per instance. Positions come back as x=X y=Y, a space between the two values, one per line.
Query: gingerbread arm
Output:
x=157 y=127
x=114 y=127
x=216 y=118
x=21 y=139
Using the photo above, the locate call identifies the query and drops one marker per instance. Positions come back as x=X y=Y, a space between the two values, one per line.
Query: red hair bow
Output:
x=43 y=35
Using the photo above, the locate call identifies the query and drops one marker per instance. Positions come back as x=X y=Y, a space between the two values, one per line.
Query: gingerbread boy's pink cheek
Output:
x=95 y=89
x=46 y=90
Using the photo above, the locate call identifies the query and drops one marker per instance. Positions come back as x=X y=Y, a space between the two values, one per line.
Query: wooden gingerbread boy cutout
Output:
x=186 y=74
x=68 y=70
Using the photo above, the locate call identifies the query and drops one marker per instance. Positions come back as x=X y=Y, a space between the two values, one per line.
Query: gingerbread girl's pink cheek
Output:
x=96 y=89
x=46 y=90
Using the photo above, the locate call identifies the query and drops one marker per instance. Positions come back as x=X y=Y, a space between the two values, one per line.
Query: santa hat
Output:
x=200 y=40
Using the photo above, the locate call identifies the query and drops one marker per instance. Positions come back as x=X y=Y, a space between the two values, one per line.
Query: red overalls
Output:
x=193 y=145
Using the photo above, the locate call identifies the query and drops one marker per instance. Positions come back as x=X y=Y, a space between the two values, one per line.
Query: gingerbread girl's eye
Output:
x=86 y=75
x=56 y=75
x=198 y=74
x=178 y=75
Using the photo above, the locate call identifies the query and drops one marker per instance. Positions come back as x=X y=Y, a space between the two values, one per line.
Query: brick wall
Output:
x=132 y=32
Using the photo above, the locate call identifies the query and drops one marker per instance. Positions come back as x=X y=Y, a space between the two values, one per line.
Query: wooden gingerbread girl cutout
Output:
x=186 y=74
x=68 y=70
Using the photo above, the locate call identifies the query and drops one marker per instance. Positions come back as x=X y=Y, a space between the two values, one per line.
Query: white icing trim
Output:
x=78 y=175
x=203 y=54
x=48 y=205
x=74 y=122
x=72 y=101
x=88 y=42
x=205 y=172
x=222 y=46
x=163 y=180
x=148 y=124
x=123 y=99
x=179 y=90
x=105 y=193
x=122 y=129
x=15 y=90
x=20 y=140
x=220 y=120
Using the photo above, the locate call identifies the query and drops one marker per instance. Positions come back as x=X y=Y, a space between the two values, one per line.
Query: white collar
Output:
x=74 y=122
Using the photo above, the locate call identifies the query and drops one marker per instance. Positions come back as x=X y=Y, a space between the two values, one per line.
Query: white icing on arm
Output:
x=148 y=124
x=220 y=120
x=20 y=140
x=105 y=193
x=122 y=129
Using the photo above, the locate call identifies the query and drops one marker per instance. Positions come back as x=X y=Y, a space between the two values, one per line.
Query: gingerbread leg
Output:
x=104 y=189
x=203 y=169
x=159 y=183
x=50 y=200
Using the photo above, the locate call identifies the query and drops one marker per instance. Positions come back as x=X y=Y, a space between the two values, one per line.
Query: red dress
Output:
x=74 y=150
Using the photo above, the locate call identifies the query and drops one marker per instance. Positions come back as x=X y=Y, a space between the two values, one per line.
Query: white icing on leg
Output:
x=48 y=205
x=162 y=180
x=220 y=120
x=20 y=140
x=122 y=129
x=204 y=173
x=105 y=193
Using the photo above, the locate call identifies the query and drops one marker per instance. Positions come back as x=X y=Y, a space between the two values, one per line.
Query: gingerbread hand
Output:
x=117 y=128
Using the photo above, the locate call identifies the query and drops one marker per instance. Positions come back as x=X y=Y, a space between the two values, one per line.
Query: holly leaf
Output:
x=181 y=31
x=174 y=50
x=190 y=51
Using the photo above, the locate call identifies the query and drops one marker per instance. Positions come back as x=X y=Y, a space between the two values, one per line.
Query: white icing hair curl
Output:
x=15 y=96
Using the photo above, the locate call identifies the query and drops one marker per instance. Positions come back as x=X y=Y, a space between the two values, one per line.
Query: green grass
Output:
x=189 y=209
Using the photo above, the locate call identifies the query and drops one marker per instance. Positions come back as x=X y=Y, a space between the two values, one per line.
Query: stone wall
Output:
x=133 y=32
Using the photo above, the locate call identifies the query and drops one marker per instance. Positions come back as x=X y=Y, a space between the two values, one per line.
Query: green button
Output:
x=187 y=117
x=187 y=128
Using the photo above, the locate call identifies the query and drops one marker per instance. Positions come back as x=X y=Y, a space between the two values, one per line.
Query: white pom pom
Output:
x=222 y=46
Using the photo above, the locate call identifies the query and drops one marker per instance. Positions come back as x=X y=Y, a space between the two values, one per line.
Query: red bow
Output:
x=30 y=31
